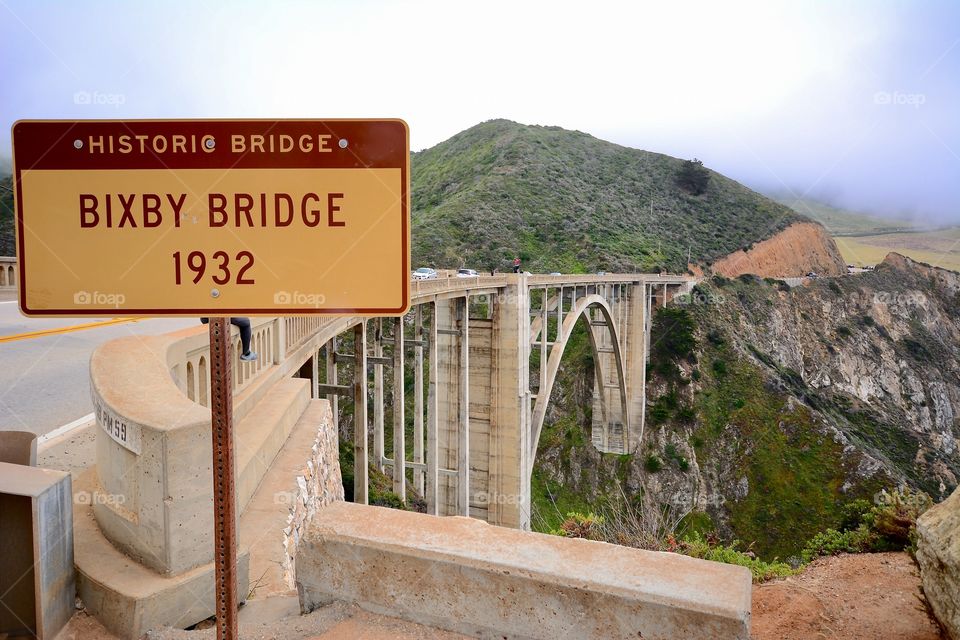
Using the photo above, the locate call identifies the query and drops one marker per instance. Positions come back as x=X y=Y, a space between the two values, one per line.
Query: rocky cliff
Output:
x=783 y=405
x=797 y=250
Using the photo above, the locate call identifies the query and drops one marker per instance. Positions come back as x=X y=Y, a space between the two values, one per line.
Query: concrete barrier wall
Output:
x=467 y=576
x=153 y=448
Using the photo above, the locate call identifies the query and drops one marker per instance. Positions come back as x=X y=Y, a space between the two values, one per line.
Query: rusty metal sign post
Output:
x=224 y=496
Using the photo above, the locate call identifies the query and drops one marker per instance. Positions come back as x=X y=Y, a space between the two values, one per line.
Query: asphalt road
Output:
x=44 y=381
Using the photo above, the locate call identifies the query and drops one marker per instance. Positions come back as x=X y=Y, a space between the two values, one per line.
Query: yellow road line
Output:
x=70 y=329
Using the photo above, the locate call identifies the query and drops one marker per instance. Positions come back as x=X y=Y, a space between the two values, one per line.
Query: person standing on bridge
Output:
x=246 y=333
x=516 y=265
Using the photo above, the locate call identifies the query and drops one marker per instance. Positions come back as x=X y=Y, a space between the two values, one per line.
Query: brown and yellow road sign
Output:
x=212 y=217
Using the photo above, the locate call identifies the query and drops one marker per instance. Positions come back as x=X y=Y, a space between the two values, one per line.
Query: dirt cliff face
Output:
x=796 y=251
x=793 y=402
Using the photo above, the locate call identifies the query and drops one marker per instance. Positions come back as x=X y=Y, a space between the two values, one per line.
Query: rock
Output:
x=800 y=248
x=938 y=552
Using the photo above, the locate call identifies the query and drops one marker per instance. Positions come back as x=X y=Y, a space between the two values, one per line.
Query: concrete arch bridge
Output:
x=482 y=355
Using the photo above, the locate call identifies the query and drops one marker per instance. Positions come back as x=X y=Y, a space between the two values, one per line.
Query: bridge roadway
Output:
x=45 y=377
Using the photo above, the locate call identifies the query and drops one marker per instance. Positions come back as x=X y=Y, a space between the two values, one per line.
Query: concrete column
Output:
x=448 y=402
x=648 y=318
x=635 y=361
x=279 y=340
x=418 y=475
x=378 y=397
x=360 y=480
x=463 y=443
x=544 y=334
x=480 y=384
x=399 y=444
x=432 y=481
x=560 y=314
x=331 y=379
x=510 y=446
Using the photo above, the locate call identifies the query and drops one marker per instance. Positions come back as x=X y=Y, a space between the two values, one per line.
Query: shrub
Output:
x=720 y=367
x=916 y=349
x=653 y=463
x=835 y=287
x=577 y=525
x=659 y=413
x=843 y=331
x=693 y=177
x=686 y=415
x=673 y=330
x=831 y=542
x=709 y=548
x=385 y=499
x=889 y=525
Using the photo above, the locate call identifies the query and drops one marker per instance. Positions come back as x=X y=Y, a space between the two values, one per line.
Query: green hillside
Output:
x=566 y=201
x=7 y=243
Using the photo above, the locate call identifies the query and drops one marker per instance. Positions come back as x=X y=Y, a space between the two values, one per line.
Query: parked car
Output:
x=467 y=273
x=425 y=273
x=813 y=274
x=555 y=273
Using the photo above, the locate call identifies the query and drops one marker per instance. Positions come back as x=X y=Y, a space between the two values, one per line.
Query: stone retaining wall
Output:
x=318 y=485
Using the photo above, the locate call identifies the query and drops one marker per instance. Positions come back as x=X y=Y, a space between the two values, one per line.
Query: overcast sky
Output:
x=852 y=102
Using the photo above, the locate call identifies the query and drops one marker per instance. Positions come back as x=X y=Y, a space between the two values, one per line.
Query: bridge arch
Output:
x=580 y=311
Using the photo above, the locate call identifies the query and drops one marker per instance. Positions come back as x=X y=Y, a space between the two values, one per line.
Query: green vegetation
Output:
x=710 y=548
x=890 y=525
x=693 y=177
x=566 y=201
x=653 y=463
x=657 y=533
x=793 y=471
x=675 y=341
x=7 y=243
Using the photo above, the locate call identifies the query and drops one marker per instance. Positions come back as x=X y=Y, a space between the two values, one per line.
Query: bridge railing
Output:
x=8 y=272
x=189 y=358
